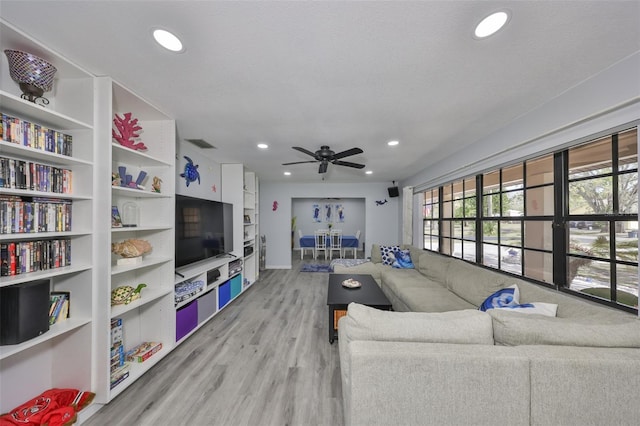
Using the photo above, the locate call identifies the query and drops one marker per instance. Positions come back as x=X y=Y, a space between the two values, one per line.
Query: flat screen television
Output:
x=204 y=229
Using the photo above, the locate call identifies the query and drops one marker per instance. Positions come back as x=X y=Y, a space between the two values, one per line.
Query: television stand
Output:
x=222 y=283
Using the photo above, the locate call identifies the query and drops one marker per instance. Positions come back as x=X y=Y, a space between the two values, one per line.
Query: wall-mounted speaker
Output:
x=24 y=311
x=393 y=191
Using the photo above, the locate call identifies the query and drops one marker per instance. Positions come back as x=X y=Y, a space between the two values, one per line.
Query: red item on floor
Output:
x=54 y=407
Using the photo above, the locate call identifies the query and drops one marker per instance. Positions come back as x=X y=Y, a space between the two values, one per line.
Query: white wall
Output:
x=604 y=101
x=381 y=222
x=208 y=168
x=354 y=216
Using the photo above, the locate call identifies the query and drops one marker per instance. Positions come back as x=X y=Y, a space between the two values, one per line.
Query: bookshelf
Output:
x=251 y=241
x=75 y=353
x=145 y=319
x=61 y=357
x=240 y=187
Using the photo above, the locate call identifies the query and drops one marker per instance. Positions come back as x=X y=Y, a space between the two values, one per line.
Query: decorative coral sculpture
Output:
x=131 y=248
x=127 y=131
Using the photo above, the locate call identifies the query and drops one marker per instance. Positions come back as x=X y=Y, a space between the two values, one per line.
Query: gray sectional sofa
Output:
x=439 y=360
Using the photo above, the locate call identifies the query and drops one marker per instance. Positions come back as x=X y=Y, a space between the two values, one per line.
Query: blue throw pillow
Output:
x=388 y=254
x=504 y=298
x=403 y=260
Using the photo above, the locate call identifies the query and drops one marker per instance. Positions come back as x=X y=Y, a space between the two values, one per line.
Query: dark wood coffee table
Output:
x=338 y=297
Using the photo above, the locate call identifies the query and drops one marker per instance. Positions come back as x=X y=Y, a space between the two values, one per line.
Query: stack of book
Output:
x=119 y=366
x=20 y=215
x=32 y=135
x=22 y=174
x=30 y=256
x=59 y=306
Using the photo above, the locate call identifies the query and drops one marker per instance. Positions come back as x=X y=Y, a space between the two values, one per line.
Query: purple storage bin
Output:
x=186 y=319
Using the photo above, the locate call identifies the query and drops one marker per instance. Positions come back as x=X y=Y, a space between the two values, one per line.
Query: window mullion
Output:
x=479 y=215
x=561 y=209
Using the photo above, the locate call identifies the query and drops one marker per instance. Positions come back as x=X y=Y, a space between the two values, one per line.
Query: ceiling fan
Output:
x=325 y=156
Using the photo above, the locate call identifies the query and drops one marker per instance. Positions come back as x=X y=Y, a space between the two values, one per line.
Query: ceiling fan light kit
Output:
x=326 y=155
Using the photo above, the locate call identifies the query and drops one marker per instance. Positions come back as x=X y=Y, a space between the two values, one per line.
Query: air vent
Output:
x=201 y=143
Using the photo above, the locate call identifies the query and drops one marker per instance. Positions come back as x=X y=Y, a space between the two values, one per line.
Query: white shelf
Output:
x=31 y=276
x=138 y=193
x=45 y=360
x=13 y=149
x=149 y=294
x=55 y=330
x=125 y=155
x=146 y=262
x=32 y=112
x=57 y=195
x=140 y=229
x=41 y=235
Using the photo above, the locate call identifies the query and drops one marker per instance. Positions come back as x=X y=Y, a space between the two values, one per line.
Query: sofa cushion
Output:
x=467 y=326
x=474 y=284
x=409 y=290
x=434 y=266
x=540 y=308
x=513 y=329
x=376 y=256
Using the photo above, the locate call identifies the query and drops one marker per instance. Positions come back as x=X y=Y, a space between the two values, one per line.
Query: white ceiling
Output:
x=343 y=74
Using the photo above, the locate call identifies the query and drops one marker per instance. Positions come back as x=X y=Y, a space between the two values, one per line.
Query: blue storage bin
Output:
x=224 y=294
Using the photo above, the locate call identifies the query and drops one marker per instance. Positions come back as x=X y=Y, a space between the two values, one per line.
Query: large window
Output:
x=431 y=215
x=602 y=247
x=458 y=219
x=567 y=219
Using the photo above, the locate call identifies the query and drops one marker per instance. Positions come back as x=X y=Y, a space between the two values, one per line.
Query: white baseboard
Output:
x=278 y=266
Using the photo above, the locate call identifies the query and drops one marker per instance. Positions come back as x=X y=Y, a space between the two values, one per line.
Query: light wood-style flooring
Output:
x=264 y=360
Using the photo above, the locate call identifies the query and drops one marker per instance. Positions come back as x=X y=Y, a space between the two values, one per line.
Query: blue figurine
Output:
x=191 y=173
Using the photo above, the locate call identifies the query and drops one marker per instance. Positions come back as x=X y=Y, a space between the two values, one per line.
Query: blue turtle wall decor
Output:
x=191 y=173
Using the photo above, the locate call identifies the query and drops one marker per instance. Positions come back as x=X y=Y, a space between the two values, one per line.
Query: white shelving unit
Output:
x=221 y=281
x=251 y=230
x=75 y=353
x=240 y=187
x=61 y=357
x=148 y=318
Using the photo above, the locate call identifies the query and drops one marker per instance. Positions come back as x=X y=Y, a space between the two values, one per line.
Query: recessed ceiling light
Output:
x=491 y=24
x=393 y=143
x=167 y=40
x=263 y=146
x=368 y=172
x=287 y=173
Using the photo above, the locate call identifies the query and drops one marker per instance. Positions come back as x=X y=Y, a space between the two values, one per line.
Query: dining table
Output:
x=348 y=241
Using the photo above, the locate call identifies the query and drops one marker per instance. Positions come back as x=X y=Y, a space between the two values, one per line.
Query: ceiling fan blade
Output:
x=306 y=151
x=349 y=164
x=323 y=167
x=298 y=162
x=348 y=152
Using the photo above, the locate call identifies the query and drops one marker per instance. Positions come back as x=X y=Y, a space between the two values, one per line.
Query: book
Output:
x=143 y=351
x=59 y=306
x=116 y=332
x=118 y=375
